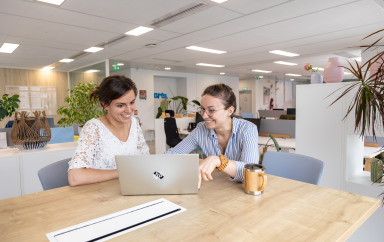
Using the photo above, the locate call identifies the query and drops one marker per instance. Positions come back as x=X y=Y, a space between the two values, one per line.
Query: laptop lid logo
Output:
x=157 y=175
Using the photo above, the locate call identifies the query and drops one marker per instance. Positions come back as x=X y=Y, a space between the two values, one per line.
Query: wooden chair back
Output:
x=371 y=145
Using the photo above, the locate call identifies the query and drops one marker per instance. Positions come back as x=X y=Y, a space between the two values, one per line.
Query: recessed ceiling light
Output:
x=219 y=1
x=292 y=80
x=93 y=49
x=167 y=68
x=357 y=59
x=210 y=65
x=290 y=74
x=91 y=71
x=48 y=68
x=66 y=60
x=56 y=2
x=261 y=71
x=281 y=52
x=222 y=73
x=261 y=76
x=120 y=64
x=285 y=63
x=139 y=31
x=206 y=50
x=347 y=73
x=8 y=48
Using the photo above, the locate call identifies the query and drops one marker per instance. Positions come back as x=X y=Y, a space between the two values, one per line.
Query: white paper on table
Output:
x=116 y=224
x=3 y=140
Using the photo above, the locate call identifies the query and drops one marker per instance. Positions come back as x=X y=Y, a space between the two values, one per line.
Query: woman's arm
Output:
x=83 y=176
x=235 y=169
x=187 y=145
x=81 y=169
x=208 y=165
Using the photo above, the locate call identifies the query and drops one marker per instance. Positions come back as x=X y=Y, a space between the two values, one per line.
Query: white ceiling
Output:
x=247 y=29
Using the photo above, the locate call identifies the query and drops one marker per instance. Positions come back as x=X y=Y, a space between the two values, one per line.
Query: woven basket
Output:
x=29 y=133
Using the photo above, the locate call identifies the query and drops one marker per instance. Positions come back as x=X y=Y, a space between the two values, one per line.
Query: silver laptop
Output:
x=158 y=174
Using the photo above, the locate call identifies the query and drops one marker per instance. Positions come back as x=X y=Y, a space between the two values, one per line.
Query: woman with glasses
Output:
x=229 y=142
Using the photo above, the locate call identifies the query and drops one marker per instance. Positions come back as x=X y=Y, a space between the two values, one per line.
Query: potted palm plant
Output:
x=265 y=148
x=368 y=99
x=80 y=107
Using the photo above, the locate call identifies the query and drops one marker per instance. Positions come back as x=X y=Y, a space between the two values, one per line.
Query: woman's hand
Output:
x=206 y=168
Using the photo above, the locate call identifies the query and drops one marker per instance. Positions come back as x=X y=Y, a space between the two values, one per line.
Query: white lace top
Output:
x=97 y=146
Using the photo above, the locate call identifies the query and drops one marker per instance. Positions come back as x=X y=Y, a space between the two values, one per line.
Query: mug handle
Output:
x=264 y=180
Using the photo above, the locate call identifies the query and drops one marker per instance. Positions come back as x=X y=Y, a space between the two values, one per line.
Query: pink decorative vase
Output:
x=333 y=71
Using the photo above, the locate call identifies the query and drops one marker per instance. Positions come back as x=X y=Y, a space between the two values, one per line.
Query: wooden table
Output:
x=221 y=211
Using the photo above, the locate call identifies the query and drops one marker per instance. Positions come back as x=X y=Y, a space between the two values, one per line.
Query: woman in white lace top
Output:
x=116 y=133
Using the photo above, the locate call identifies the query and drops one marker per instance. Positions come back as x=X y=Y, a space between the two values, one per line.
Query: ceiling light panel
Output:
x=66 y=60
x=8 y=48
x=139 y=31
x=285 y=63
x=93 y=49
x=55 y=2
x=219 y=1
x=48 y=68
x=210 y=65
x=291 y=74
x=206 y=50
x=92 y=71
x=284 y=53
x=262 y=71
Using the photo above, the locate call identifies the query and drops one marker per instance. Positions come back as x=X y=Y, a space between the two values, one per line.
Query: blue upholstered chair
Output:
x=247 y=115
x=54 y=175
x=294 y=166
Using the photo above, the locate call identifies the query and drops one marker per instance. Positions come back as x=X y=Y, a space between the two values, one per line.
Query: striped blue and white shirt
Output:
x=242 y=146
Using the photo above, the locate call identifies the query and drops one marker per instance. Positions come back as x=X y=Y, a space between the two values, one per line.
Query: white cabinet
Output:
x=322 y=133
x=18 y=169
x=10 y=185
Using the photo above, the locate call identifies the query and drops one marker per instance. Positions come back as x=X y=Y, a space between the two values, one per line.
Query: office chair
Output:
x=171 y=132
x=294 y=166
x=247 y=115
x=54 y=175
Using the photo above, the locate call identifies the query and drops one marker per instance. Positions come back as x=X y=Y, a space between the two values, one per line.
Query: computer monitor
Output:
x=291 y=111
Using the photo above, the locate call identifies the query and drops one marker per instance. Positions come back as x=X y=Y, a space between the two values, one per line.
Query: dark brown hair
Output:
x=113 y=87
x=224 y=92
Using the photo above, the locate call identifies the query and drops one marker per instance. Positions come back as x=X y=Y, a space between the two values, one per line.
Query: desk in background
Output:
x=160 y=140
x=287 y=210
x=283 y=143
x=369 y=152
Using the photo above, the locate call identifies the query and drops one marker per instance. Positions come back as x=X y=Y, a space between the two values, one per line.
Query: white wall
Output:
x=287 y=99
x=195 y=85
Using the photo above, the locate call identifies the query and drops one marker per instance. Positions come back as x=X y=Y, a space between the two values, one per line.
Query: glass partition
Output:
x=94 y=73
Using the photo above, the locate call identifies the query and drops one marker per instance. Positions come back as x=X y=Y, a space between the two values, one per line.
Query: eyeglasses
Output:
x=209 y=112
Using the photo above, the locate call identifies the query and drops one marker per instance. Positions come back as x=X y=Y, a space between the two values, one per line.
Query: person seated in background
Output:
x=116 y=133
x=229 y=142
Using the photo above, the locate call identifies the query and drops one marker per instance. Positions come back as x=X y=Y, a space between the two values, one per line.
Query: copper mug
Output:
x=254 y=179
